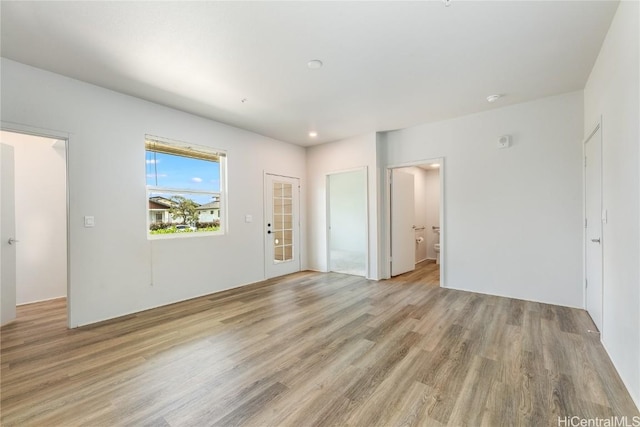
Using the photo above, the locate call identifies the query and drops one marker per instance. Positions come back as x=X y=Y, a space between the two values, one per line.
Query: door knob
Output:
x=596 y=240
x=12 y=240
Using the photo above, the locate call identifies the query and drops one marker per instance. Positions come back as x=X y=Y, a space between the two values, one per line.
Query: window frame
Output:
x=222 y=193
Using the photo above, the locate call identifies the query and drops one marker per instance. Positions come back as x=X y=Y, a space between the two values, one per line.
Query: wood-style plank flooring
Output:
x=312 y=349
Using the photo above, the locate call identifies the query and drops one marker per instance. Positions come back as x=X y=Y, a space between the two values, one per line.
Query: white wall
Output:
x=351 y=153
x=612 y=92
x=41 y=217
x=114 y=268
x=513 y=217
x=420 y=204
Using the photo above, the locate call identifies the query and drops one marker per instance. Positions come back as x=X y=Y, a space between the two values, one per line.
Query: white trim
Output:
x=34 y=131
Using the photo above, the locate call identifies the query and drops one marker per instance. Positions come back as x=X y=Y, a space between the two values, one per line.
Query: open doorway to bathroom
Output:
x=415 y=221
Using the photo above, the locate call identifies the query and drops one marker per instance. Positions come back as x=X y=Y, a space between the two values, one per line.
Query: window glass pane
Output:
x=181 y=212
x=282 y=221
x=170 y=171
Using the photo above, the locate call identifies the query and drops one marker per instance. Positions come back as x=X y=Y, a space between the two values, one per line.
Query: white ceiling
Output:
x=387 y=64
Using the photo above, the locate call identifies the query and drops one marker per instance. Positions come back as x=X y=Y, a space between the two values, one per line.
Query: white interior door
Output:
x=7 y=236
x=402 y=222
x=593 y=227
x=282 y=225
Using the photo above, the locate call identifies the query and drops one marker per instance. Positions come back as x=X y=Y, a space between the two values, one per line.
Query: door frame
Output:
x=65 y=137
x=297 y=248
x=365 y=169
x=594 y=130
x=386 y=214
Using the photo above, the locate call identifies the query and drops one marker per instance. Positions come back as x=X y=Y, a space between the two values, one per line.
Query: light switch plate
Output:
x=248 y=218
x=89 y=221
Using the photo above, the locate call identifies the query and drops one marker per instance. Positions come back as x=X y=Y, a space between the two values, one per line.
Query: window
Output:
x=185 y=188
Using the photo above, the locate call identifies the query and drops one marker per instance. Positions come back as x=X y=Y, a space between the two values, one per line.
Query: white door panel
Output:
x=593 y=231
x=402 y=222
x=7 y=236
x=282 y=225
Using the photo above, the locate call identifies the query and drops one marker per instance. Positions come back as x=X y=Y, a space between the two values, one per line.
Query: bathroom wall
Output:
x=432 y=200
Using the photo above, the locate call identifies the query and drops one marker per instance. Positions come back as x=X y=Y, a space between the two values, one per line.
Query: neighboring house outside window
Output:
x=209 y=212
x=159 y=210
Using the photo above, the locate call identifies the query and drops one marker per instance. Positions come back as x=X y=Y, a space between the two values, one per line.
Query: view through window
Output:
x=184 y=188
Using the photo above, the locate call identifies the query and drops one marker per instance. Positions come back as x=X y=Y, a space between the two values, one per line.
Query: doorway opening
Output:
x=35 y=261
x=415 y=214
x=347 y=222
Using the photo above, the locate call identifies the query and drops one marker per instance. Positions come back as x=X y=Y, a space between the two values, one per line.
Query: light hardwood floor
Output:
x=312 y=349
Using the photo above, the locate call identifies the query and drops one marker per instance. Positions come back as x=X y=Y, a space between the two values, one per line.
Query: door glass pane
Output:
x=282 y=221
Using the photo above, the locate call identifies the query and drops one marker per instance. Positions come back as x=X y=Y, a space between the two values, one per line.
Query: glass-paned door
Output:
x=281 y=225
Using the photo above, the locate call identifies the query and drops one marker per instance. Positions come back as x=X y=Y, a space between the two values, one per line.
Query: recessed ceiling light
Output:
x=313 y=134
x=493 y=98
x=435 y=165
x=314 y=64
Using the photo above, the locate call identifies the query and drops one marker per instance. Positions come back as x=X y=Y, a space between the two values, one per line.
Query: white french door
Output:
x=282 y=225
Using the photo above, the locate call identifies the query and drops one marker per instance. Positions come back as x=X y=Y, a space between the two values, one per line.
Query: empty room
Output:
x=320 y=213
